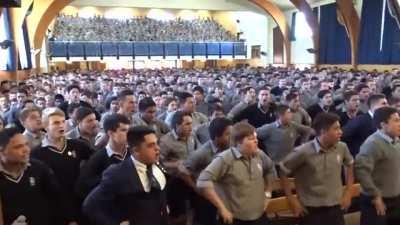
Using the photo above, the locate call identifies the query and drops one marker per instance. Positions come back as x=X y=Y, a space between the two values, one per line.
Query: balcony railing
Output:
x=178 y=50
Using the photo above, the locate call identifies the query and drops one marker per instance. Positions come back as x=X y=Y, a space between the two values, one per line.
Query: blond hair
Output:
x=49 y=112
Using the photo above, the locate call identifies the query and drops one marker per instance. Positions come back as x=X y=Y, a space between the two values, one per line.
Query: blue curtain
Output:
x=293 y=27
x=334 y=42
x=9 y=63
x=370 y=34
x=370 y=51
x=25 y=60
x=316 y=11
x=391 y=40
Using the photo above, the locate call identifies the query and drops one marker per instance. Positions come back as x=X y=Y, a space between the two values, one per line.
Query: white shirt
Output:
x=142 y=169
x=111 y=152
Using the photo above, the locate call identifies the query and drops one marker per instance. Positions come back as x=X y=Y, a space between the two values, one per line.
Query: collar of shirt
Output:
x=318 y=148
x=236 y=153
x=46 y=142
x=388 y=138
x=259 y=106
x=111 y=152
x=139 y=165
x=10 y=174
x=278 y=124
x=141 y=121
x=175 y=135
x=371 y=113
x=324 y=108
x=213 y=147
x=33 y=135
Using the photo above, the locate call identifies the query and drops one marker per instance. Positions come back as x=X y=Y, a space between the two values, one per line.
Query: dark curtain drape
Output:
x=27 y=51
x=293 y=27
x=315 y=11
x=6 y=25
x=370 y=34
x=334 y=42
x=370 y=51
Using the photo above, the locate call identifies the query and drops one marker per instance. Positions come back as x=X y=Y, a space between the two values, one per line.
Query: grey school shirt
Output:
x=201 y=158
x=377 y=166
x=173 y=148
x=279 y=140
x=317 y=172
x=240 y=182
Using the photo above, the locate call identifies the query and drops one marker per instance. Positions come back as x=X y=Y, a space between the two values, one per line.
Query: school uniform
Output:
x=34 y=194
x=90 y=175
x=317 y=172
x=377 y=168
x=129 y=191
x=66 y=164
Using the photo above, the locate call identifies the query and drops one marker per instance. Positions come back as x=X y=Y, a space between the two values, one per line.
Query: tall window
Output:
x=303 y=30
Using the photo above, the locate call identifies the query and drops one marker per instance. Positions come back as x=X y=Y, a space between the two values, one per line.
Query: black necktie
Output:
x=152 y=179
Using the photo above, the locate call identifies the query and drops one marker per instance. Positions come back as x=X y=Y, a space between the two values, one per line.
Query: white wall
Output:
x=255 y=28
x=299 y=53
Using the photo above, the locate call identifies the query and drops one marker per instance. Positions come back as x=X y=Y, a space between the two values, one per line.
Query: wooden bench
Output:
x=279 y=211
x=281 y=204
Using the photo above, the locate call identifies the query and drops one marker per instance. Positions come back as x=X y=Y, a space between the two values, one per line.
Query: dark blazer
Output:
x=120 y=197
x=91 y=172
x=356 y=131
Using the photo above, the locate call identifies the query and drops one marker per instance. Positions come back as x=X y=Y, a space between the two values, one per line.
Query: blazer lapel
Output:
x=132 y=176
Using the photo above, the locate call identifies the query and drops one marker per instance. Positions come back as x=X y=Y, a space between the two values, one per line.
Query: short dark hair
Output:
x=348 y=94
x=169 y=100
x=321 y=94
x=23 y=91
x=5 y=136
x=112 y=121
x=359 y=87
x=218 y=126
x=281 y=109
x=291 y=96
x=136 y=135
x=73 y=86
x=264 y=88
x=247 y=89
x=182 y=96
x=382 y=115
x=216 y=108
x=199 y=89
x=146 y=103
x=177 y=118
x=109 y=100
x=240 y=131
x=374 y=98
x=323 y=121
x=83 y=112
x=59 y=97
x=122 y=95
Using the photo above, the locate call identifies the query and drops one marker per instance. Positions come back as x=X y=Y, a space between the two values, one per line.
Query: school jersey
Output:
x=66 y=165
x=35 y=194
